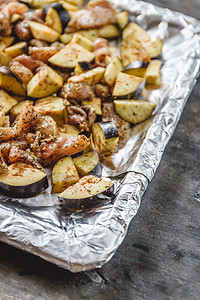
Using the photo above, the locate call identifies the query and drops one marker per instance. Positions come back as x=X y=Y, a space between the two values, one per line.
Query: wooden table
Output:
x=160 y=256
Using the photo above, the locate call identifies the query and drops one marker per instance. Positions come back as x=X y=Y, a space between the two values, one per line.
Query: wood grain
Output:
x=160 y=256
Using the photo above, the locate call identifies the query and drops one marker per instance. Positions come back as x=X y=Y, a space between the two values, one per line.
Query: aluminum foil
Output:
x=88 y=239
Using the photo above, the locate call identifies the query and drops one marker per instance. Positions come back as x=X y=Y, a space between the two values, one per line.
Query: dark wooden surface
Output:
x=160 y=256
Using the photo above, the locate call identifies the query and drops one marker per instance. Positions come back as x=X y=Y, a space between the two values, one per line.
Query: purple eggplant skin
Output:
x=63 y=14
x=84 y=203
x=98 y=118
x=109 y=129
x=85 y=132
x=85 y=66
x=26 y=191
x=77 y=154
x=136 y=65
x=137 y=95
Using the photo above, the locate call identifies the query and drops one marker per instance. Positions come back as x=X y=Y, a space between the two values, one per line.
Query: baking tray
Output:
x=88 y=239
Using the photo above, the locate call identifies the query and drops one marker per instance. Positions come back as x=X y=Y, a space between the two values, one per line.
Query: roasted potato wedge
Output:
x=42 y=32
x=112 y=71
x=64 y=174
x=134 y=111
x=126 y=84
x=52 y=106
x=10 y=83
x=6 y=102
x=90 y=77
x=44 y=83
x=70 y=55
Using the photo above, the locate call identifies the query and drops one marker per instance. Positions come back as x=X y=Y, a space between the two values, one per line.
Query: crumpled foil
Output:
x=88 y=239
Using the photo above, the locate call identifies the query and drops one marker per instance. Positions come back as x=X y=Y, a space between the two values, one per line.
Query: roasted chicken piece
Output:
x=77 y=91
x=22 y=123
x=97 y=14
x=61 y=147
x=5 y=15
x=28 y=62
x=42 y=53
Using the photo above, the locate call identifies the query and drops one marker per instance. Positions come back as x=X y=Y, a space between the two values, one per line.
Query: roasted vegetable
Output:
x=64 y=174
x=90 y=34
x=138 y=31
x=154 y=48
x=105 y=137
x=17 y=49
x=6 y=102
x=10 y=83
x=90 y=77
x=90 y=147
x=95 y=103
x=41 y=3
x=109 y=31
x=112 y=71
x=66 y=38
x=70 y=55
x=83 y=41
x=113 y=51
x=82 y=67
x=44 y=83
x=52 y=106
x=122 y=19
x=133 y=50
x=87 y=192
x=136 y=68
x=53 y=20
x=86 y=163
x=6 y=42
x=69 y=6
x=22 y=181
x=126 y=84
x=15 y=18
x=134 y=111
x=63 y=14
x=78 y=3
x=153 y=71
x=43 y=32
x=5 y=59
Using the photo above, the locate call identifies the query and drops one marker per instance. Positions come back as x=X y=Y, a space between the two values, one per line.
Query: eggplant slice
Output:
x=87 y=192
x=134 y=111
x=105 y=137
x=64 y=174
x=22 y=181
x=87 y=163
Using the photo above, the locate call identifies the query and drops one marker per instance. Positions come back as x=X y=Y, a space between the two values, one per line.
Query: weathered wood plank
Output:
x=160 y=257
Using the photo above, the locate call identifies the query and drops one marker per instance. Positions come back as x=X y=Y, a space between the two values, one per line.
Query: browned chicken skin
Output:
x=28 y=62
x=77 y=91
x=24 y=121
x=61 y=147
x=43 y=53
x=5 y=14
x=34 y=139
x=97 y=14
